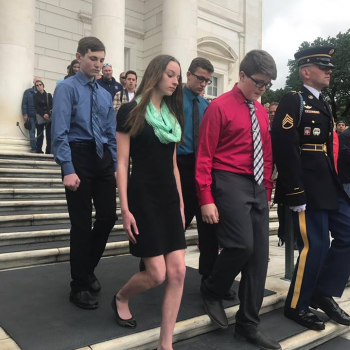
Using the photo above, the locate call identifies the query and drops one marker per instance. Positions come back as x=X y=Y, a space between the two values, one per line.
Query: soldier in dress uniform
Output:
x=302 y=140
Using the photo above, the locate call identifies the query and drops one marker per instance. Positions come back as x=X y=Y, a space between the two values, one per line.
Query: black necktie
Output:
x=195 y=125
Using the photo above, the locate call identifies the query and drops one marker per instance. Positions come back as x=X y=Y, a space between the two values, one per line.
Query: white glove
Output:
x=298 y=208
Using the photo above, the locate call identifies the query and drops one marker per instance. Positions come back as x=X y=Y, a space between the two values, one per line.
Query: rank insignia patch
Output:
x=307 y=131
x=307 y=107
x=287 y=122
x=309 y=111
x=316 y=131
x=310 y=97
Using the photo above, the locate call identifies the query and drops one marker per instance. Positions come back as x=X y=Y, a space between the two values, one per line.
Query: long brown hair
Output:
x=153 y=75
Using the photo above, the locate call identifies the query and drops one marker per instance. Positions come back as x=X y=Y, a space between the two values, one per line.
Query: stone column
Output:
x=108 y=24
x=179 y=27
x=17 y=35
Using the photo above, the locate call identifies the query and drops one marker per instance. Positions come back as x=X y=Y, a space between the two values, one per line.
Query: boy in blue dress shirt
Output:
x=84 y=145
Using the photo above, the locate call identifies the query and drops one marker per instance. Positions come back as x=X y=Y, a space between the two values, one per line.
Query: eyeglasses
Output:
x=123 y=77
x=202 y=79
x=38 y=85
x=107 y=65
x=260 y=84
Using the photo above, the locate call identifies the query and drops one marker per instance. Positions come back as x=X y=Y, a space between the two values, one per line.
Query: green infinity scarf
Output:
x=165 y=125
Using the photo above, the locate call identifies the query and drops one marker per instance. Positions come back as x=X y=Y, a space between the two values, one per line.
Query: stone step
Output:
x=37 y=218
x=289 y=338
x=33 y=182
x=60 y=253
x=28 y=164
x=32 y=193
x=37 y=205
x=31 y=173
x=20 y=236
x=27 y=156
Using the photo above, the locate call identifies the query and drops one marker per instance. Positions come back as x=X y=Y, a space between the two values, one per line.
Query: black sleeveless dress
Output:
x=153 y=197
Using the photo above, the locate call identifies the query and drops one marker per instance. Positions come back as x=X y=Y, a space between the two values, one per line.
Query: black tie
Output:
x=195 y=125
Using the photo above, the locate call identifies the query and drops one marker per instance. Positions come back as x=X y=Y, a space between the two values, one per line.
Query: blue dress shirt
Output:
x=71 y=119
x=188 y=96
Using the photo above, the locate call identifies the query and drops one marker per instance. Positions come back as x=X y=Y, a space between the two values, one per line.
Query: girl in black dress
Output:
x=151 y=199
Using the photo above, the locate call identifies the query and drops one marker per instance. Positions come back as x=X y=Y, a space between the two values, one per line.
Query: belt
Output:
x=86 y=144
x=314 y=147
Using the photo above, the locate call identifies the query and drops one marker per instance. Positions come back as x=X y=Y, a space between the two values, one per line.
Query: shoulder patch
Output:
x=296 y=92
x=287 y=122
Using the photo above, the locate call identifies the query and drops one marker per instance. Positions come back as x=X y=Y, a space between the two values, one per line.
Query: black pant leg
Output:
x=186 y=166
x=40 y=137
x=80 y=214
x=104 y=199
x=208 y=244
x=253 y=277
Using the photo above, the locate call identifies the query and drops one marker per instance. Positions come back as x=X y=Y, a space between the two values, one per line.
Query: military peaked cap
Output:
x=320 y=56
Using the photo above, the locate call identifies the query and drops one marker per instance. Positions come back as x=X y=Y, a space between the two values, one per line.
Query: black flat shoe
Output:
x=214 y=309
x=130 y=323
x=305 y=318
x=83 y=300
x=331 y=309
x=230 y=295
x=258 y=338
x=94 y=284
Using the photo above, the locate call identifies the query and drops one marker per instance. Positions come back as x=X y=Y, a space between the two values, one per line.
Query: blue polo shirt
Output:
x=71 y=119
x=188 y=96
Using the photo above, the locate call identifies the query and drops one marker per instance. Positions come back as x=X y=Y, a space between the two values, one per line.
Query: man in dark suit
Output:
x=302 y=140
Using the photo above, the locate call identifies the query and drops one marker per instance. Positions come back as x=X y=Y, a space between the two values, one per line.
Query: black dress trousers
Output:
x=208 y=243
x=98 y=187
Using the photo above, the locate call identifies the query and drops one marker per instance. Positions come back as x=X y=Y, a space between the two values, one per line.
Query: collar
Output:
x=315 y=92
x=190 y=94
x=83 y=79
x=237 y=92
x=108 y=81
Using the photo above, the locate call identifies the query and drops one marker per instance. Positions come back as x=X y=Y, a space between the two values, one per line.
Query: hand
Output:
x=128 y=223
x=46 y=116
x=269 y=204
x=25 y=117
x=298 y=208
x=210 y=213
x=182 y=210
x=71 y=181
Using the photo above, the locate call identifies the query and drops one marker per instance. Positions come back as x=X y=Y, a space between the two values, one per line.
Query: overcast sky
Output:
x=286 y=24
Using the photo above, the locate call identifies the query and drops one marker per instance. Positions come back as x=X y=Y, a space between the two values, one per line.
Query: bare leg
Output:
x=175 y=275
x=140 y=282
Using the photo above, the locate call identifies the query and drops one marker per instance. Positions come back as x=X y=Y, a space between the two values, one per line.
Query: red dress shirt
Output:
x=226 y=142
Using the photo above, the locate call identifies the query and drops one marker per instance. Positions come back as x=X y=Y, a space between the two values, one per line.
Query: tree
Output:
x=338 y=93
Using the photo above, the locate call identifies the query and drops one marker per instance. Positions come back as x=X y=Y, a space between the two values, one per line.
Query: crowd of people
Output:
x=212 y=160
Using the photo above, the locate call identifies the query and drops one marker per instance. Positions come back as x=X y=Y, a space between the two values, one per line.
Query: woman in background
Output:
x=43 y=107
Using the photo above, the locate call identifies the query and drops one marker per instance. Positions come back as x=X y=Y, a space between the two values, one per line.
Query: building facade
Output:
x=39 y=38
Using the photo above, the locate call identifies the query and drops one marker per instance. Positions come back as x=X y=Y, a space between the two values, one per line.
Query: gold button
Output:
x=313 y=122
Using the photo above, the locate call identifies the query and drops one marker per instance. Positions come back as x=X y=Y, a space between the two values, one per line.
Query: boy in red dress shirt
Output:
x=233 y=178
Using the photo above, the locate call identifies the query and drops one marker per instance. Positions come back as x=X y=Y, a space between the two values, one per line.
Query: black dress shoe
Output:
x=142 y=266
x=130 y=323
x=83 y=299
x=305 y=318
x=230 y=295
x=258 y=338
x=214 y=309
x=331 y=309
x=94 y=284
